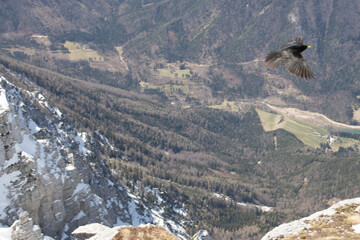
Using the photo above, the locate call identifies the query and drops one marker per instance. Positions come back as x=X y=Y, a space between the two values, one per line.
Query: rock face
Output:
x=97 y=231
x=24 y=229
x=100 y=232
x=340 y=221
x=53 y=171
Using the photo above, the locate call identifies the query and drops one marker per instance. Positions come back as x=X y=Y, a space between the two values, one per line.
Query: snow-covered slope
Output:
x=340 y=221
x=53 y=171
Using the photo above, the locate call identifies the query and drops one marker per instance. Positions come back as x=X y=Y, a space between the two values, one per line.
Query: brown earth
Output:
x=144 y=233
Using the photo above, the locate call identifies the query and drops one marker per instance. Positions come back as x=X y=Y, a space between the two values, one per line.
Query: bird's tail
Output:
x=272 y=60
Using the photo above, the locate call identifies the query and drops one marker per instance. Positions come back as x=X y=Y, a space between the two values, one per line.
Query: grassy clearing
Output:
x=175 y=73
x=78 y=52
x=166 y=87
x=356 y=115
x=344 y=142
x=310 y=135
x=119 y=50
x=226 y=105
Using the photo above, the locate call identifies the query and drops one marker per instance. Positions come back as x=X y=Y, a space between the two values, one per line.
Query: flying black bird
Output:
x=290 y=56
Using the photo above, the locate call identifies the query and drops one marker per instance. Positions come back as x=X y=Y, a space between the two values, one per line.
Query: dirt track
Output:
x=317 y=119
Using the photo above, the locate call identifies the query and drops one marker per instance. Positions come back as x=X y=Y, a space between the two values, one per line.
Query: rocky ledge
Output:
x=340 y=221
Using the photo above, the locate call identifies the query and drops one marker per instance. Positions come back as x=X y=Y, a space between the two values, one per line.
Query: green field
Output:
x=226 y=105
x=309 y=134
x=78 y=52
x=344 y=142
x=174 y=73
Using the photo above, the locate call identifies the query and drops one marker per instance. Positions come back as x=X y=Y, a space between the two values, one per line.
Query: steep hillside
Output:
x=57 y=173
x=52 y=171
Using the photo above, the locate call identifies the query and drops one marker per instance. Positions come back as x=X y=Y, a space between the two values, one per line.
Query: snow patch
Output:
x=81 y=187
x=6 y=180
x=4 y=104
x=70 y=167
x=356 y=228
x=5 y=233
x=259 y=207
x=79 y=216
x=34 y=128
x=57 y=111
x=81 y=140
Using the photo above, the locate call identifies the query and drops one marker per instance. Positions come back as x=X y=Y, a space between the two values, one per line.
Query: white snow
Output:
x=181 y=211
x=27 y=146
x=57 y=111
x=34 y=128
x=227 y=198
x=203 y=234
x=110 y=183
x=6 y=180
x=358 y=209
x=80 y=215
x=4 y=104
x=356 y=228
x=81 y=187
x=136 y=218
x=5 y=233
x=70 y=167
x=81 y=140
x=296 y=226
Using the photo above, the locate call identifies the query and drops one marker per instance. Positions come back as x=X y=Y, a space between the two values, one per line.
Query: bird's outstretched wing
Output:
x=273 y=59
x=296 y=64
x=293 y=42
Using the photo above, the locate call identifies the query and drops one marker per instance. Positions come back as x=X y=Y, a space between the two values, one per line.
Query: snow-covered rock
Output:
x=53 y=171
x=340 y=221
x=24 y=229
x=201 y=235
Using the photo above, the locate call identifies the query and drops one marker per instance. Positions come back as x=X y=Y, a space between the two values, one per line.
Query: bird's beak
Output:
x=308 y=46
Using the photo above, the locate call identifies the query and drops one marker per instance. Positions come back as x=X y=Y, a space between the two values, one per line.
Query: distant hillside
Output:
x=230 y=39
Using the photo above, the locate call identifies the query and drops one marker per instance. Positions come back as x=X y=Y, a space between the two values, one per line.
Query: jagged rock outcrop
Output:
x=53 y=171
x=340 y=221
x=24 y=229
x=97 y=231
x=100 y=232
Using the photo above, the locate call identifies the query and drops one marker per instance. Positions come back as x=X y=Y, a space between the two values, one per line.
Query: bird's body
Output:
x=290 y=56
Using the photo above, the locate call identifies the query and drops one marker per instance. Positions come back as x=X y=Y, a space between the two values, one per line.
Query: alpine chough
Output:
x=290 y=56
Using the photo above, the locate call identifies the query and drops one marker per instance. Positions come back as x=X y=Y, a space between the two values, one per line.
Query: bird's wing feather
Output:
x=293 y=42
x=296 y=64
x=273 y=59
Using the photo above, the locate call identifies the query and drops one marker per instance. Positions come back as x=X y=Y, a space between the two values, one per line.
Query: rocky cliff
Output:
x=340 y=221
x=53 y=171
x=97 y=231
